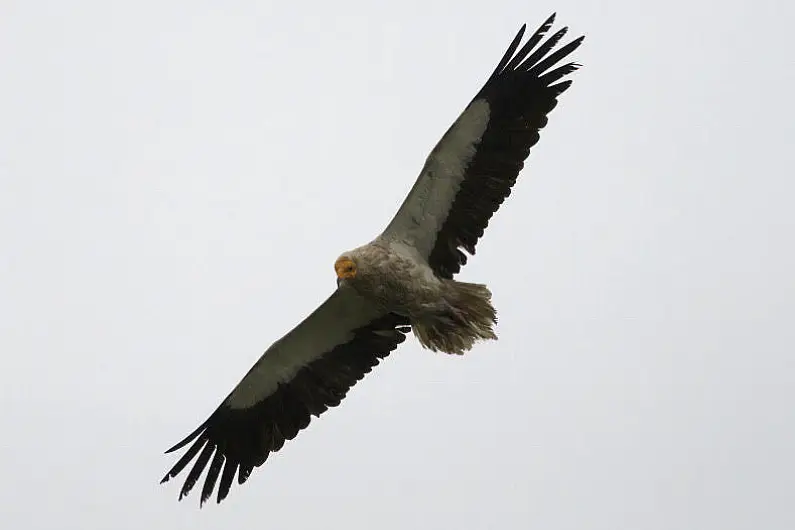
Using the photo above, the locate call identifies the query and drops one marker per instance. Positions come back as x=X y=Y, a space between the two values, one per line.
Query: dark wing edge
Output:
x=521 y=91
x=235 y=441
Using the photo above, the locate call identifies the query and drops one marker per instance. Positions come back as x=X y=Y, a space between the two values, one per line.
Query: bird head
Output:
x=345 y=268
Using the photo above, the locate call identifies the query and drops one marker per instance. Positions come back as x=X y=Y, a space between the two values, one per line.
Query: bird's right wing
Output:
x=308 y=370
x=472 y=169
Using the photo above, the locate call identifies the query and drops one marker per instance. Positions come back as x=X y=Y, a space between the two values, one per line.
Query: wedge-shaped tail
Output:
x=467 y=317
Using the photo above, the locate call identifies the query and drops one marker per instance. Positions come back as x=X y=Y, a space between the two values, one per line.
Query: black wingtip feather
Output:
x=188 y=439
x=561 y=87
x=227 y=477
x=197 y=469
x=212 y=477
x=509 y=52
x=243 y=473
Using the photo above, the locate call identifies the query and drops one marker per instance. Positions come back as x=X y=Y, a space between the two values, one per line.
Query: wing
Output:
x=307 y=371
x=471 y=170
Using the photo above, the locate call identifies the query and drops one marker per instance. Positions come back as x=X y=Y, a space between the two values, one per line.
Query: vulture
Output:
x=400 y=282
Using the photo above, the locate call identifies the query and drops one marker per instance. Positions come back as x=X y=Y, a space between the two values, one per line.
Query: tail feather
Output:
x=467 y=317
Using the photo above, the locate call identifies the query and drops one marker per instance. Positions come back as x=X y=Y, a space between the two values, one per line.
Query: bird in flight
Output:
x=400 y=282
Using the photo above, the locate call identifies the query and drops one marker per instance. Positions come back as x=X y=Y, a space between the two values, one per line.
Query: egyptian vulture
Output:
x=401 y=281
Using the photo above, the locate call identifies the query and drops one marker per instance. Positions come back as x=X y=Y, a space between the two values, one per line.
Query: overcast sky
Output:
x=177 y=178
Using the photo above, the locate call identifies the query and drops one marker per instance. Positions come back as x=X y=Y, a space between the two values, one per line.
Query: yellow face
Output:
x=345 y=268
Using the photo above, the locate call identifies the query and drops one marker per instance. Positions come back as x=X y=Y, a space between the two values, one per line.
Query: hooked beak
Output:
x=339 y=281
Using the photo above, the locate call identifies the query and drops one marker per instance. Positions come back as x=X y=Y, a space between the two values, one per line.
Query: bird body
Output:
x=391 y=275
x=401 y=281
x=445 y=315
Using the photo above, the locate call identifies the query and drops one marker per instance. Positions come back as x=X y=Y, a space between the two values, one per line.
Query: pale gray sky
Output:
x=177 y=178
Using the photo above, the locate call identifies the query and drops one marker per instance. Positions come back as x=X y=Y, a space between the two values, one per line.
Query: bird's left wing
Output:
x=304 y=373
x=471 y=170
